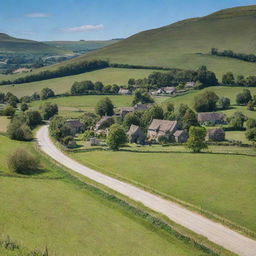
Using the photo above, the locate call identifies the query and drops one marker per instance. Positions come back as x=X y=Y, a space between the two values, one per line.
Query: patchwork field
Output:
x=42 y=211
x=201 y=179
x=118 y=76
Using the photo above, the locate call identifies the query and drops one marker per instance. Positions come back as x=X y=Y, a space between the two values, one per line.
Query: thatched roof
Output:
x=210 y=116
x=163 y=125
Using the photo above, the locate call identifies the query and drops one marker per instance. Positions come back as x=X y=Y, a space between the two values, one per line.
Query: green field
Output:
x=221 y=183
x=118 y=76
x=81 y=45
x=186 y=44
x=221 y=91
x=4 y=121
x=42 y=211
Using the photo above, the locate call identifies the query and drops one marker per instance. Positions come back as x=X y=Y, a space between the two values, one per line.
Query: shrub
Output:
x=46 y=93
x=251 y=123
x=251 y=134
x=224 y=102
x=237 y=120
x=87 y=135
x=19 y=130
x=250 y=105
x=69 y=141
x=23 y=162
x=24 y=107
x=58 y=128
x=116 y=137
x=33 y=118
x=244 y=97
x=9 y=111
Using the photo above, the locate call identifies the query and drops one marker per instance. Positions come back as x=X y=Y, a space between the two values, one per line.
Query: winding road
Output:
x=215 y=232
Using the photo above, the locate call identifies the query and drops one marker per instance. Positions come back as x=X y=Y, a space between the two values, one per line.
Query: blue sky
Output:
x=98 y=19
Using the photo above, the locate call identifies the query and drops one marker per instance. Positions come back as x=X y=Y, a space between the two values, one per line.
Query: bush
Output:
x=237 y=120
x=69 y=141
x=46 y=93
x=116 y=137
x=19 y=130
x=244 y=97
x=9 y=111
x=251 y=134
x=224 y=102
x=87 y=135
x=33 y=118
x=24 y=107
x=250 y=105
x=58 y=128
x=251 y=123
x=23 y=162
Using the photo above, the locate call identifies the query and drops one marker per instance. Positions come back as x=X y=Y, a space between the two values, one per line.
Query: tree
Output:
x=228 y=79
x=33 y=118
x=23 y=162
x=19 y=130
x=132 y=118
x=98 y=86
x=141 y=96
x=181 y=111
x=189 y=119
x=206 y=101
x=237 y=120
x=196 y=141
x=244 y=97
x=48 y=110
x=58 y=128
x=24 y=107
x=207 y=78
x=2 y=96
x=116 y=137
x=251 y=123
x=105 y=107
x=89 y=120
x=251 y=134
x=250 y=105
x=131 y=81
x=170 y=106
x=155 y=112
x=224 y=102
x=46 y=93
x=9 y=111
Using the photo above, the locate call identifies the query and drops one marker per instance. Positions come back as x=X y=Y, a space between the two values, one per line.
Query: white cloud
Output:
x=84 y=28
x=37 y=15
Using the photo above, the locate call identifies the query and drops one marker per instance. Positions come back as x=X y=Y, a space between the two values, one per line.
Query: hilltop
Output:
x=9 y=44
x=186 y=44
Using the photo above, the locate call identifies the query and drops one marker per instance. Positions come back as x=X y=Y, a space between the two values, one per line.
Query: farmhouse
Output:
x=210 y=118
x=169 y=90
x=104 y=122
x=217 y=134
x=75 y=125
x=136 y=134
x=189 y=85
x=180 y=136
x=125 y=110
x=159 y=128
x=124 y=91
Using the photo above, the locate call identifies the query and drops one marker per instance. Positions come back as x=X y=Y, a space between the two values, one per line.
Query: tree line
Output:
x=70 y=69
x=231 y=54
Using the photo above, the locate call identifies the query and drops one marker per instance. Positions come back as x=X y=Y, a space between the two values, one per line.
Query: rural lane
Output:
x=215 y=232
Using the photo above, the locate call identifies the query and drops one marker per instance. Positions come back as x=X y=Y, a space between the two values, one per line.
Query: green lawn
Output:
x=220 y=183
x=70 y=220
x=118 y=76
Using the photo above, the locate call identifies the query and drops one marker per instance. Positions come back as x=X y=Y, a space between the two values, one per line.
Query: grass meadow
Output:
x=50 y=210
x=220 y=180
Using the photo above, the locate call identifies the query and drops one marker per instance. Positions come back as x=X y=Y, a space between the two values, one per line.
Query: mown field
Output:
x=222 y=182
x=48 y=209
x=118 y=76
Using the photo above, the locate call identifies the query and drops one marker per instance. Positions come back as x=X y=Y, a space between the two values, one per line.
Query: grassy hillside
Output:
x=10 y=44
x=80 y=46
x=118 y=76
x=51 y=210
x=186 y=44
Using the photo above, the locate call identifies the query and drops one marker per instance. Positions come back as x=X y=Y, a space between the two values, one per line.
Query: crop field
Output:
x=49 y=210
x=118 y=76
x=207 y=180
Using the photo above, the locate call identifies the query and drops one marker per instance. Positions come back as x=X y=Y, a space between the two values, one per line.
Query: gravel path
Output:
x=215 y=232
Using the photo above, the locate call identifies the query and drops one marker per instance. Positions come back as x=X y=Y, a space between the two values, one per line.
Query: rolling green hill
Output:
x=13 y=45
x=80 y=46
x=186 y=44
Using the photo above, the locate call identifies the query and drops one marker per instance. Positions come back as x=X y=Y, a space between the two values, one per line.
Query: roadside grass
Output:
x=221 y=182
x=4 y=121
x=72 y=220
x=60 y=85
